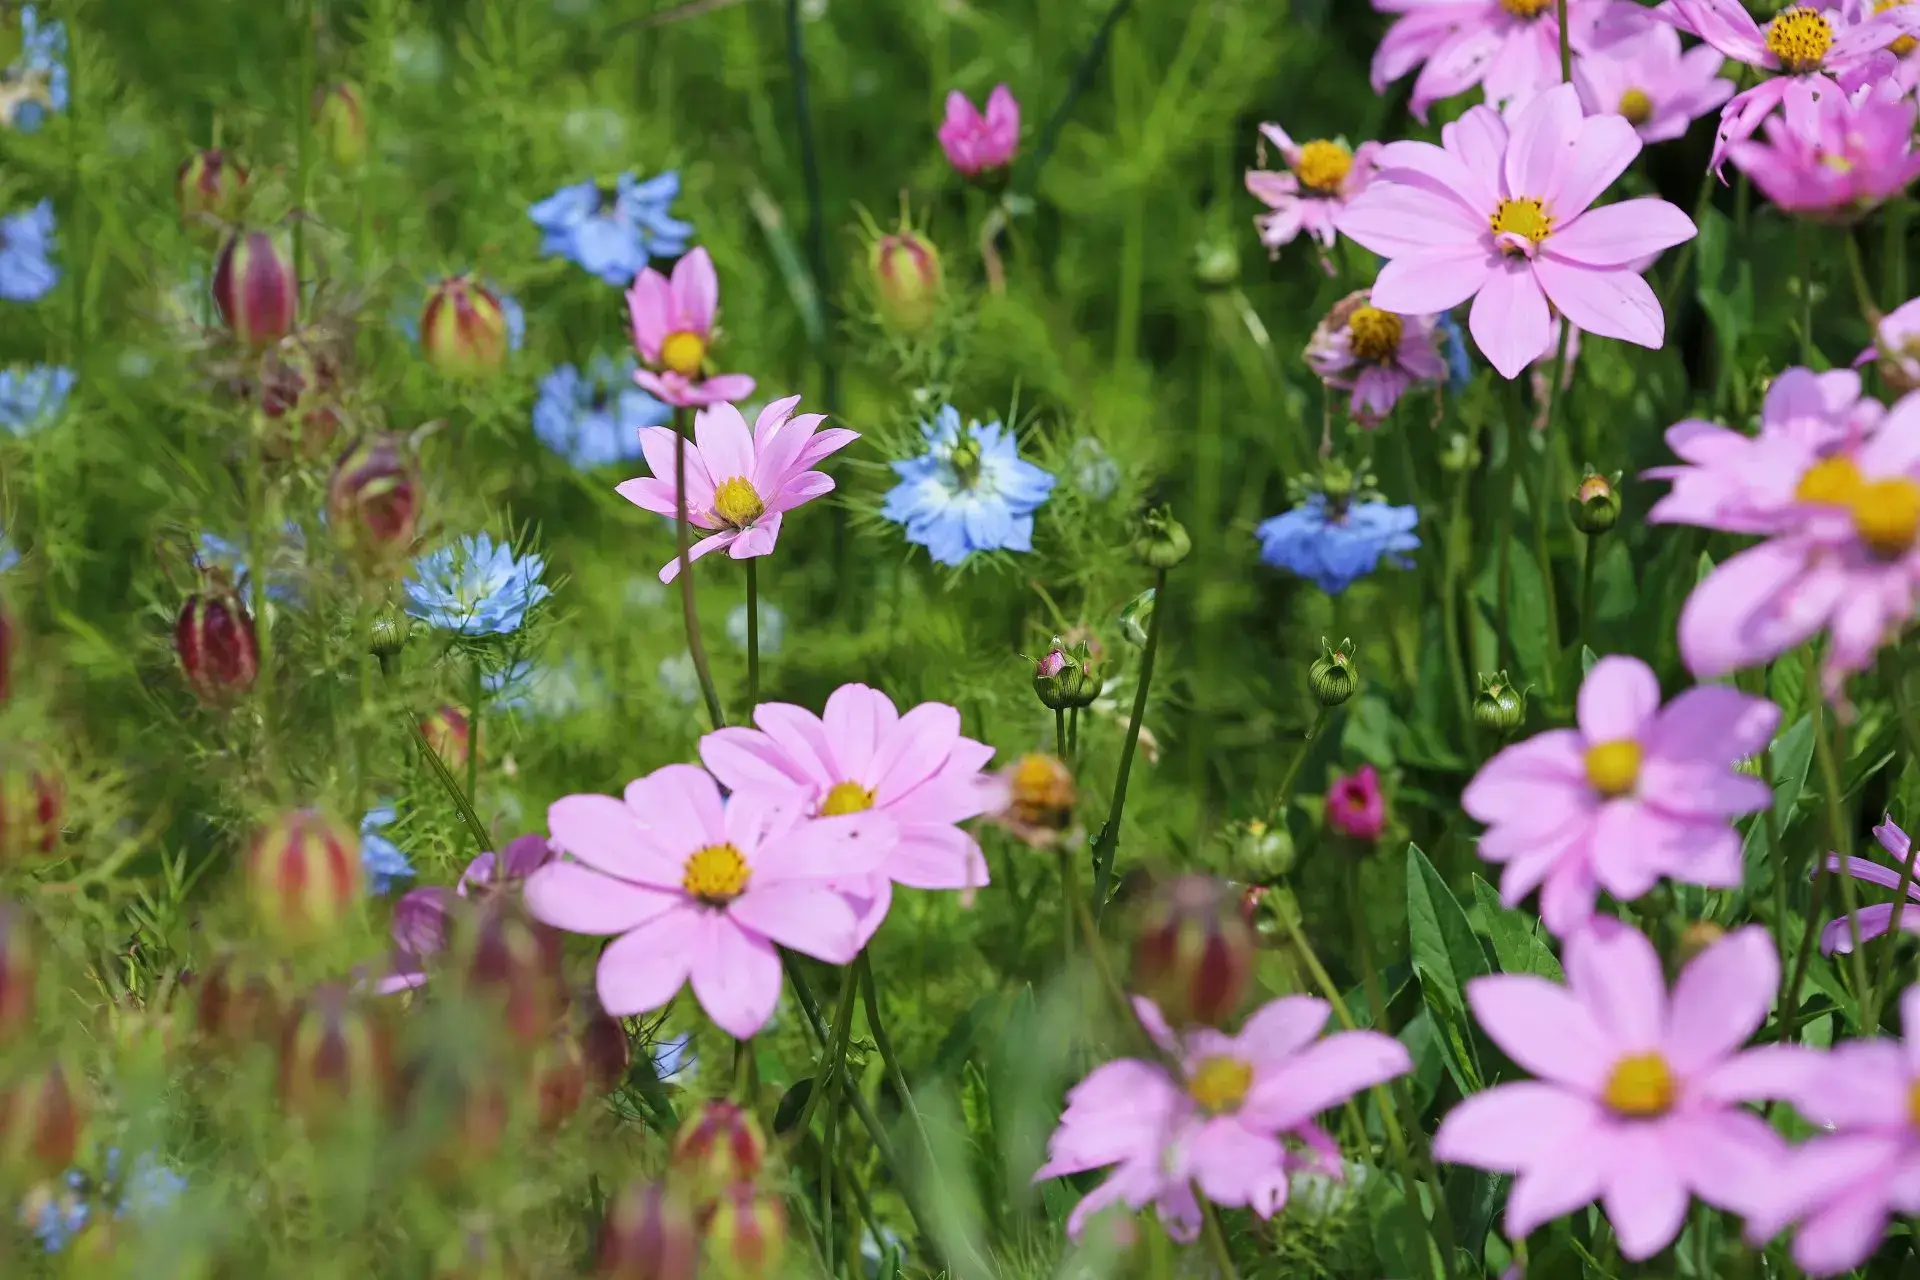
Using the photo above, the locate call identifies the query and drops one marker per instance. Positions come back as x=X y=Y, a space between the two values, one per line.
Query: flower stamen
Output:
x=736 y=503
x=684 y=352
x=716 y=874
x=1636 y=106
x=1220 y=1084
x=1373 y=334
x=1902 y=45
x=1886 y=515
x=846 y=797
x=1520 y=225
x=1324 y=165
x=1613 y=768
x=1526 y=8
x=1830 y=482
x=1799 y=38
x=1641 y=1087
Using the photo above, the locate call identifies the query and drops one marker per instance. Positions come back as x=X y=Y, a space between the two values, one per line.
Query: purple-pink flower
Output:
x=1647 y=79
x=976 y=143
x=1355 y=808
x=423 y=917
x=1874 y=921
x=703 y=890
x=1237 y=1119
x=1510 y=48
x=1502 y=216
x=672 y=330
x=1831 y=155
x=1376 y=355
x=1896 y=345
x=1321 y=177
x=1636 y=792
x=739 y=483
x=1638 y=1098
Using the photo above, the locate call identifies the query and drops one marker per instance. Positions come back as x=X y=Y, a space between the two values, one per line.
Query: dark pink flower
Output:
x=977 y=143
x=1355 y=807
x=672 y=330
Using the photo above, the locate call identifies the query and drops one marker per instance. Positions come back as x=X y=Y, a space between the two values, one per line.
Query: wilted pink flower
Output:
x=1896 y=344
x=1503 y=218
x=1238 y=1119
x=1634 y=793
x=1876 y=920
x=739 y=482
x=1647 y=79
x=1510 y=48
x=976 y=143
x=1832 y=155
x=1355 y=807
x=1638 y=1099
x=672 y=329
x=1320 y=178
x=703 y=890
x=1374 y=354
x=1739 y=483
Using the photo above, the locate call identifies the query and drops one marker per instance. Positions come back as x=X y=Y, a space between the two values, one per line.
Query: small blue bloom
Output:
x=475 y=588
x=40 y=70
x=407 y=318
x=32 y=398
x=1336 y=550
x=548 y=691
x=594 y=419
x=380 y=857
x=57 y=1216
x=1453 y=349
x=216 y=552
x=673 y=1057
x=613 y=233
x=773 y=628
x=970 y=491
x=27 y=272
x=1095 y=473
x=9 y=554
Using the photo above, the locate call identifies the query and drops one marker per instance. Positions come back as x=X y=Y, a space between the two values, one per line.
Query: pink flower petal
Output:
x=1542 y=1027
x=1509 y=787
x=1400 y=219
x=1711 y=723
x=609 y=836
x=823 y=444
x=648 y=302
x=1231 y=1164
x=642 y=970
x=570 y=896
x=757 y=541
x=1555 y=1188
x=1603 y=147
x=726 y=387
x=911 y=750
x=671 y=569
x=1435 y=279
x=1615 y=974
x=680 y=806
x=657 y=496
x=852 y=844
x=1283 y=1026
x=1513 y=1127
x=1618 y=699
x=1731 y=1158
x=1328 y=1072
x=1645 y=1201
x=1754 y=607
x=1615 y=235
x=854 y=718
x=942 y=857
x=1611 y=303
x=747 y=758
x=1770 y=1071
x=1545 y=134
x=696 y=292
x=726 y=445
x=1509 y=319
x=806 y=917
x=799 y=733
x=1720 y=1000
x=736 y=977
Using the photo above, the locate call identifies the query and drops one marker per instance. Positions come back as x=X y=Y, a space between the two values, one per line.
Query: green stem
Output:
x=682 y=529
x=476 y=694
x=1097 y=952
x=1803 y=239
x=1826 y=740
x=1543 y=504
x=1701 y=200
x=753 y=634
x=1459 y=545
x=1109 y=841
x=1216 y=1239
x=1911 y=731
x=1862 y=291
x=863 y=971
x=816 y=205
x=448 y=782
x=1503 y=526
x=832 y=1061
x=1060 y=733
x=1299 y=758
x=1587 y=563
x=1083 y=71
x=1771 y=825
x=1566 y=42
x=1073 y=737
x=303 y=147
x=1067 y=878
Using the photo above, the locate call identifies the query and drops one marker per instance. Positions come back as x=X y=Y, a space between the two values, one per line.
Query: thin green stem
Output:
x=870 y=994
x=1587 y=563
x=753 y=634
x=1826 y=746
x=1299 y=758
x=816 y=205
x=1083 y=72
x=1770 y=821
x=448 y=782
x=1073 y=737
x=1060 y=732
x=1870 y=1018
x=1459 y=546
x=1109 y=841
x=1102 y=965
x=832 y=1058
x=1503 y=530
x=1862 y=291
x=303 y=147
x=1544 y=506
x=1067 y=855
x=1216 y=1238
x=1678 y=272
x=476 y=697
x=1566 y=42
x=682 y=529
x=1803 y=240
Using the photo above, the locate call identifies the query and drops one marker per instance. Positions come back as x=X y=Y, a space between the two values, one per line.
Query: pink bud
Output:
x=215 y=642
x=1355 y=807
x=981 y=146
x=254 y=287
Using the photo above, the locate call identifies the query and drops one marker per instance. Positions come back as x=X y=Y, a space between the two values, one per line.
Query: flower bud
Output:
x=603 y=1045
x=388 y=634
x=649 y=1233
x=447 y=733
x=1136 y=617
x=41 y=1118
x=208 y=183
x=462 y=1107
x=19 y=973
x=303 y=874
x=1216 y=264
x=1355 y=808
x=907 y=279
x=747 y=1234
x=1499 y=708
x=559 y=1078
x=335 y=1052
x=1194 y=953
x=340 y=117
x=514 y=961
x=297 y=380
x=1461 y=454
x=32 y=803
x=373 y=498
x=235 y=1001
x=1697 y=937
x=254 y=287
x=1038 y=798
x=1595 y=504
x=1161 y=541
x=1332 y=677
x=216 y=645
x=718 y=1145
x=1262 y=851
x=463 y=328
x=1064 y=677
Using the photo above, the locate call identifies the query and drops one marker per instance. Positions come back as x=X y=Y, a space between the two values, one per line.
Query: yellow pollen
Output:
x=1636 y=106
x=1324 y=165
x=1526 y=8
x=1913 y=1104
x=1886 y=515
x=1830 y=482
x=1902 y=45
x=716 y=874
x=736 y=503
x=1528 y=218
x=846 y=797
x=1220 y=1084
x=1613 y=767
x=1799 y=38
x=683 y=353
x=1374 y=334
x=1641 y=1086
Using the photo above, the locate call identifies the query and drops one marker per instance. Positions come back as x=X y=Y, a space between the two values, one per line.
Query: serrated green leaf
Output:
x=1519 y=941
x=1446 y=956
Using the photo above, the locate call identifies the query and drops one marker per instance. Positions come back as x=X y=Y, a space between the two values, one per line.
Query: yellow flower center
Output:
x=1526 y=8
x=1913 y=1104
x=1886 y=515
x=1830 y=482
x=1641 y=1086
x=1526 y=218
x=683 y=353
x=1902 y=45
x=1374 y=334
x=1636 y=106
x=846 y=797
x=1220 y=1084
x=1613 y=767
x=1800 y=37
x=736 y=503
x=1324 y=165
x=716 y=874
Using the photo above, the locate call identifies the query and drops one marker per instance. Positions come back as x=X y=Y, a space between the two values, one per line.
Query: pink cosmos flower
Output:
x=1896 y=344
x=1238 y=1119
x=1739 y=483
x=1636 y=792
x=1647 y=79
x=1510 y=48
x=1355 y=807
x=1502 y=217
x=1849 y=564
x=672 y=329
x=975 y=143
x=1832 y=155
x=739 y=483
x=1320 y=178
x=423 y=916
x=1374 y=354
x=703 y=890
x=1638 y=1098
x=1876 y=920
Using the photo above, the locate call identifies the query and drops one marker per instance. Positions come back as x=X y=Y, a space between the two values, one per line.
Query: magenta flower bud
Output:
x=303 y=874
x=448 y=733
x=32 y=804
x=514 y=961
x=235 y=1001
x=979 y=145
x=216 y=645
x=463 y=328
x=340 y=117
x=907 y=279
x=1355 y=807
x=335 y=1052
x=1195 y=952
x=210 y=183
x=41 y=1119
x=603 y=1044
x=489 y=873
x=559 y=1080
x=649 y=1233
x=254 y=287
x=373 y=498
x=747 y=1234
x=717 y=1146
x=19 y=973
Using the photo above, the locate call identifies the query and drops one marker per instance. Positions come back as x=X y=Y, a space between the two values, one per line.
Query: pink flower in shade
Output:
x=672 y=329
x=1638 y=1098
x=861 y=756
x=1646 y=78
x=703 y=890
x=975 y=143
x=1872 y=922
x=1355 y=807
x=423 y=916
x=1636 y=792
x=1320 y=178
x=1831 y=155
x=1738 y=483
x=1896 y=344
x=1848 y=565
x=1377 y=355
x=739 y=482
x=1238 y=1119
x=1502 y=217
x=1510 y=48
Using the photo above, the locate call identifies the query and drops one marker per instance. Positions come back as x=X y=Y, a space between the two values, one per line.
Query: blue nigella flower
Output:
x=537 y=690
x=673 y=1057
x=32 y=398
x=613 y=233
x=475 y=588
x=216 y=552
x=1336 y=549
x=407 y=318
x=594 y=419
x=1095 y=473
x=26 y=245
x=773 y=628
x=56 y=1217
x=380 y=857
x=969 y=492
x=1453 y=349
x=9 y=555
x=38 y=76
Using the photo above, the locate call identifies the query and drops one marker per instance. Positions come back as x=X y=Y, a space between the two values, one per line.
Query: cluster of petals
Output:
x=1320 y=179
x=1877 y=920
x=1375 y=355
x=1635 y=792
x=422 y=917
x=1834 y=155
x=977 y=142
x=1510 y=48
x=673 y=324
x=1233 y=1115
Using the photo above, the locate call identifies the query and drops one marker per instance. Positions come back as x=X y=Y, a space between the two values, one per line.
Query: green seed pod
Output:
x=1332 y=676
x=1595 y=504
x=1499 y=708
x=1161 y=542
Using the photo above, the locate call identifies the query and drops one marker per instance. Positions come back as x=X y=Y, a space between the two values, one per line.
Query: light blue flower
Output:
x=32 y=398
x=1453 y=349
x=773 y=628
x=56 y=1217
x=538 y=690
x=613 y=233
x=673 y=1057
x=9 y=554
x=216 y=552
x=27 y=272
x=475 y=588
x=41 y=69
x=969 y=492
x=380 y=857
x=1095 y=473
x=1334 y=549
x=406 y=318
x=594 y=419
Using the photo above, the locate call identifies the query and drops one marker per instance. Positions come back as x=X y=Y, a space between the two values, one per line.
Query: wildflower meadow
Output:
x=940 y=640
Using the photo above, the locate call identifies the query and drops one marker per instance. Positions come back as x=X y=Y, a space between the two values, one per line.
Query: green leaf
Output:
x=1790 y=753
x=1587 y=658
x=1526 y=610
x=1446 y=956
x=1516 y=936
x=792 y=1103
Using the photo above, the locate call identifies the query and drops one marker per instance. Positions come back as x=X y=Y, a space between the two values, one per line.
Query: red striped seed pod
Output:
x=215 y=642
x=32 y=804
x=717 y=1146
x=340 y=117
x=234 y=1000
x=336 y=1053
x=463 y=328
x=1195 y=952
x=513 y=961
x=559 y=1078
x=254 y=287
x=297 y=384
x=373 y=498
x=303 y=874
x=747 y=1234
x=41 y=1119
x=907 y=279
x=210 y=183
x=19 y=973
x=603 y=1043
x=649 y=1233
